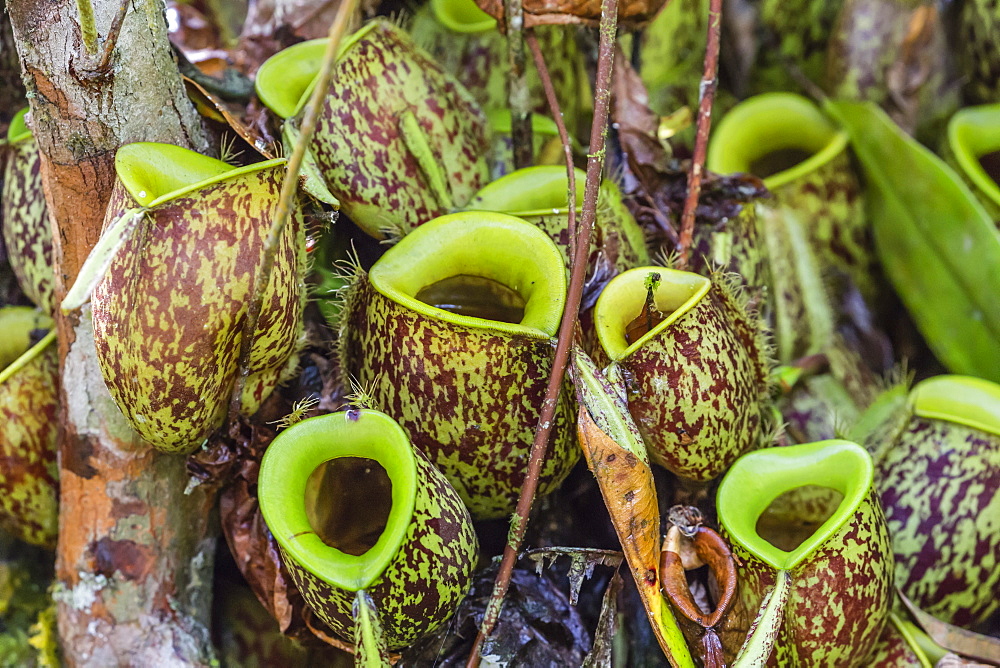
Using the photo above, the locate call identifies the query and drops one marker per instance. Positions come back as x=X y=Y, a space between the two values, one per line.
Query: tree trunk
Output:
x=135 y=552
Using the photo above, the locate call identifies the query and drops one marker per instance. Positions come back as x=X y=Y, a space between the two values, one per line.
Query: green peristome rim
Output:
x=770 y=122
x=758 y=478
x=18 y=130
x=972 y=133
x=286 y=79
x=16 y=324
x=500 y=123
x=462 y=16
x=623 y=299
x=294 y=455
x=966 y=400
x=503 y=248
x=155 y=173
x=529 y=192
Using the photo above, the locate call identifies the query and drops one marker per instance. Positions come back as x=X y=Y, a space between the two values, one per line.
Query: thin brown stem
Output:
x=550 y=96
x=112 y=39
x=709 y=82
x=595 y=164
x=102 y=66
x=287 y=199
x=518 y=95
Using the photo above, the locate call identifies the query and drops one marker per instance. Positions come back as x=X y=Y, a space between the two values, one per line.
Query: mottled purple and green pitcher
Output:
x=170 y=309
x=937 y=455
x=835 y=549
x=693 y=359
x=452 y=333
x=354 y=506
x=24 y=217
x=399 y=141
x=29 y=402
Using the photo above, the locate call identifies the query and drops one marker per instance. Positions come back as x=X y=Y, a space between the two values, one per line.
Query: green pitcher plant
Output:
x=546 y=143
x=694 y=360
x=539 y=195
x=937 y=454
x=814 y=226
x=354 y=507
x=465 y=41
x=451 y=333
x=399 y=141
x=819 y=403
x=174 y=271
x=839 y=561
x=973 y=151
x=24 y=216
x=29 y=402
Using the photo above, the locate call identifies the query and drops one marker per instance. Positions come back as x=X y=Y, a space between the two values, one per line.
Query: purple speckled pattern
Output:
x=940 y=485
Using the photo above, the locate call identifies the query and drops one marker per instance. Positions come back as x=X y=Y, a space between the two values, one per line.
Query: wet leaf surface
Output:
x=602 y=654
x=537 y=628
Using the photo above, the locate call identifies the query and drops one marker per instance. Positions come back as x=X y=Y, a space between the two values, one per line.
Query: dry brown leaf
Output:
x=631 y=13
x=617 y=458
x=958 y=640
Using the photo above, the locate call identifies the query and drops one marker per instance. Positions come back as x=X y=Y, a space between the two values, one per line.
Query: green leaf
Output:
x=97 y=263
x=937 y=244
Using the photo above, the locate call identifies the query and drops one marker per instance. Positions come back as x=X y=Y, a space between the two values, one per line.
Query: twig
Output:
x=112 y=39
x=287 y=200
x=102 y=66
x=709 y=82
x=595 y=163
x=550 y=96
x=518 y=96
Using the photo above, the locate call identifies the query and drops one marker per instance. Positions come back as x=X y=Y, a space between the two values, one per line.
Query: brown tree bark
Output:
x=135 y=551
